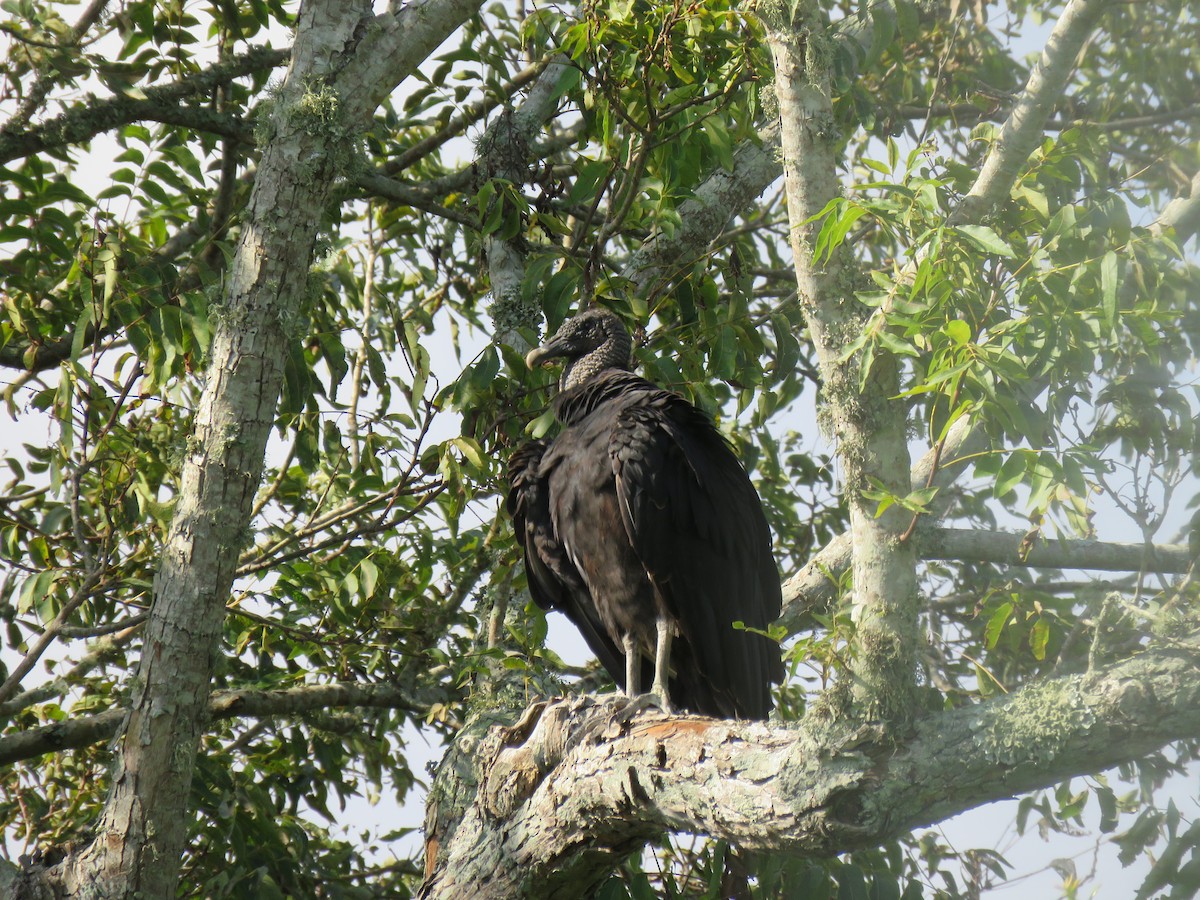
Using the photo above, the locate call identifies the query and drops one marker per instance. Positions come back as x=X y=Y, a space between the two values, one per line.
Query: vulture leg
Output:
x=633 y=666
x=662 y=663
x=662 y=670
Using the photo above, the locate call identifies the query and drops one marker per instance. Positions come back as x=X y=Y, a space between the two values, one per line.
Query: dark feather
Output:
x=640 y=511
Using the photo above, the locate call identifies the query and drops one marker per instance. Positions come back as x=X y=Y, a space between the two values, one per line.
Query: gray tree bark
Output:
x=868 y=425
x=345 y=60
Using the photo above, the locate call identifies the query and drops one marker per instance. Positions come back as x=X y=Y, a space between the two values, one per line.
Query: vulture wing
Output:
x=554 y=582
x=696 y=522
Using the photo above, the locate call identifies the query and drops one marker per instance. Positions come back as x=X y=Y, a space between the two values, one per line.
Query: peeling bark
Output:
x=574 y=788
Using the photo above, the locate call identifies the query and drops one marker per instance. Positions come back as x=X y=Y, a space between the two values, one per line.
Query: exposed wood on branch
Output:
x=574 y=788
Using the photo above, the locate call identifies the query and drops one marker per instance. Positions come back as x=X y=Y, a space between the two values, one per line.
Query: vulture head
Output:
x=590 y=342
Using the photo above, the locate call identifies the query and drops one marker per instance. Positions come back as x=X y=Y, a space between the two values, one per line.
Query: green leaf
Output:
x=35 y=590
x=996 y=623
x=852 y=884
x=1039 y=637
x=895 y=344
x=908 y=17
x=1144 y=832
x=1012 y=473
x=1109 y=282
x=985 y=239
x=1108 y=808
x=471 y=452
x=1036 y=199
x=958 y=331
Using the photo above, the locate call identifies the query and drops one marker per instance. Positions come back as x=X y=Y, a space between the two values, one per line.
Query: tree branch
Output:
x=377 y=185
x=1010 y=549
x=1024 y=127
x=560 y=801
x=50 y=75
x=393 y=45
x=140 y=834
x=84 y=730
x=703 y=217
x=814 y=587
x=966 y=112
x=504 y=152
x=158 y=104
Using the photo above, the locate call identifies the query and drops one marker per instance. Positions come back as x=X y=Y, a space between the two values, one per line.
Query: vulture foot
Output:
x=641 y=703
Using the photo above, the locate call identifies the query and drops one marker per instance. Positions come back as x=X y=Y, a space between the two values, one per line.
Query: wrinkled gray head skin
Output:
x=590 y=342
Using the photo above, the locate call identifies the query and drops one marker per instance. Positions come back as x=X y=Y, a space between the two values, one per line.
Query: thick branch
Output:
x=393 y=45
x=376 y=185
x=703 y=217
x=142 y=829
x=966 y=113
x=1023 y=130
x=815 y=585
x=1010 y=549
x=557 y=804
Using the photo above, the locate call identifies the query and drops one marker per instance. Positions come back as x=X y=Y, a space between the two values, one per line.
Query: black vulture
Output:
x=639 y=522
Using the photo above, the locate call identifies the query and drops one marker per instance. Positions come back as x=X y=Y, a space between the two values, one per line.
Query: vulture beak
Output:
x=536 y=357
x=539 y=356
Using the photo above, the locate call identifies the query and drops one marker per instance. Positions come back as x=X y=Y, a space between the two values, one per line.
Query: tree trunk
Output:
x=141 y=833
x=868 y=424
x=344 y=61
